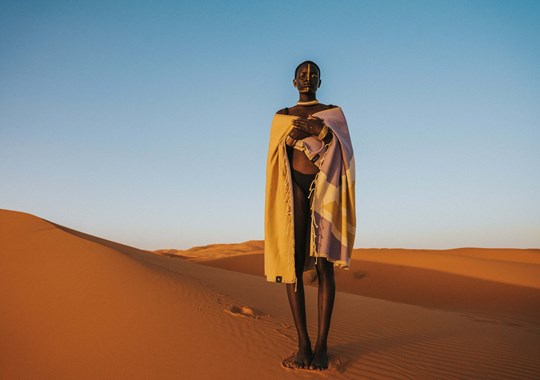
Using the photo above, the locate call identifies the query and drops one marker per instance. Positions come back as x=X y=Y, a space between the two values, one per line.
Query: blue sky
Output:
x=147 y=122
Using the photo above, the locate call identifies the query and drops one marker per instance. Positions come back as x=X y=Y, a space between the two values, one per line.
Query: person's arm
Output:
x=313 y=127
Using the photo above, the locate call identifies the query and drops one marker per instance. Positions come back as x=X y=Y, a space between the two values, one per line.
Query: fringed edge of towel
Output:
x=314 y=227
x=290 y=212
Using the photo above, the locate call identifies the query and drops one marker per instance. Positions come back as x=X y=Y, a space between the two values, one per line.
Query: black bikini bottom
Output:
x=303 y=180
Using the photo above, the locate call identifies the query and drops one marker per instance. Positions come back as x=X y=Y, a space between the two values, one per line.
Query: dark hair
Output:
x=303 y=63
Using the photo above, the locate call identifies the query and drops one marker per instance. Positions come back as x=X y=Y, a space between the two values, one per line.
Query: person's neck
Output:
x=307 y=97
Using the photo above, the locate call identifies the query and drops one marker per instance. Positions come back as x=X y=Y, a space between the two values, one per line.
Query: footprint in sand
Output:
x=359 y=275
x=336 y=363
x=244 y=311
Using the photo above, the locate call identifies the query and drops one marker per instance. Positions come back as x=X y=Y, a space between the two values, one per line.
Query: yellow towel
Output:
x=332 y=206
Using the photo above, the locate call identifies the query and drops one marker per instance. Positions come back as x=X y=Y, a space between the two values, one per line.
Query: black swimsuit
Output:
x=303 y=181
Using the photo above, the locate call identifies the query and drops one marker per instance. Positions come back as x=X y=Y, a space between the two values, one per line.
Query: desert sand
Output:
x=75 y=306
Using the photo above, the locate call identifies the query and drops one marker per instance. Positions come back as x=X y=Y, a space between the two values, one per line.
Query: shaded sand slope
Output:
x=74 y=307
x=509 y=266
x=499 y=282
x=512 y=266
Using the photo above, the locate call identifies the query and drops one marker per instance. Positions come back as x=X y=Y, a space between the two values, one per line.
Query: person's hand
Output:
x=312 y=126
x=298 y=134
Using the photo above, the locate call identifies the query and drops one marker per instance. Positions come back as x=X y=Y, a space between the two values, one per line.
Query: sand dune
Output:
x=77 y=306
x=465 y=279
x=519 y=267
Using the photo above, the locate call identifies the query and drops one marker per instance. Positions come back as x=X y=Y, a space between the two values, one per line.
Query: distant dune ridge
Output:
x=78 y=306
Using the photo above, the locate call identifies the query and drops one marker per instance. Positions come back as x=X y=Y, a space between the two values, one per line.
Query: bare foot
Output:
x=298 y=360
x=320 y=359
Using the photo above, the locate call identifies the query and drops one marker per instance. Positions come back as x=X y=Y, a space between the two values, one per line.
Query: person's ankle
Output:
x=304 y=345
x=321 y=346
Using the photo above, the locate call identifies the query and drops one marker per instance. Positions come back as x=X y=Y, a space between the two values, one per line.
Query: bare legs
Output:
x=327 y=293
x=305 y=357
x=296 y=298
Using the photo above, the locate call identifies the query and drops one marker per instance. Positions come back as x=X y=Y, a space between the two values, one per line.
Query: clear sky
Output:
x=147 y=122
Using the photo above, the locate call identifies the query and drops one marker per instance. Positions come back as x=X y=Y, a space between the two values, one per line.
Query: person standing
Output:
x=310 y=217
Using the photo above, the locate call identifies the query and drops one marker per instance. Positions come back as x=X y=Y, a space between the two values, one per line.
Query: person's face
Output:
x=307 y=79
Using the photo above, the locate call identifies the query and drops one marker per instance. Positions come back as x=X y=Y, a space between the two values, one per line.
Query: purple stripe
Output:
x=327 y=244
x=332 y=166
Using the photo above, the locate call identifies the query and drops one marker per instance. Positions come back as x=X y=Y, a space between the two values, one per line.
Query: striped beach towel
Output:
x=332 y=202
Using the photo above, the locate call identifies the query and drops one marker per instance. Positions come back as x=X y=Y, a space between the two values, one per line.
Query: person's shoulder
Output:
x=327 y=106
x=284 y=111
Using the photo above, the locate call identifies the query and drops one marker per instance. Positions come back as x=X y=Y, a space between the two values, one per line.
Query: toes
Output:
x=286 y=364
x=294 y=362
x=318 y=367
x=289 y=362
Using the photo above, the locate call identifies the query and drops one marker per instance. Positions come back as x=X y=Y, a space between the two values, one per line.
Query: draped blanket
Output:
x=333 y=222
